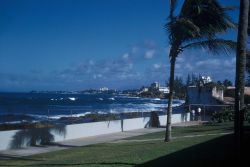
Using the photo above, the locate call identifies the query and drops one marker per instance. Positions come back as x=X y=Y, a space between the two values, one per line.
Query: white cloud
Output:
x=96 y=76
x=130 y=66
x=181 y=59
x=188 y=66
x=129 y=76
x=230 y=63
x=157 y=66
x=134 y=49
x=178 y=66
x=167 y=50
x=91 y=62
x=125 y=56
x=150 y=54
x=209 y=62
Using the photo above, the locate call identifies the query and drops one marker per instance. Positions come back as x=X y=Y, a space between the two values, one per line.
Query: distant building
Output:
x=155 y=85
x=206 y=79
x=158 y=87
x=165 y=90
x=144 y=90
x=202 y=95
x=104 y=89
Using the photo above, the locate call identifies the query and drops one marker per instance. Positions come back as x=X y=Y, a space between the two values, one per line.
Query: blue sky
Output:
x=81 y=44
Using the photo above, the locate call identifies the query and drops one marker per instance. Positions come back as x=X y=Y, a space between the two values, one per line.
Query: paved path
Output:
x=14 y=153
x=107 y=138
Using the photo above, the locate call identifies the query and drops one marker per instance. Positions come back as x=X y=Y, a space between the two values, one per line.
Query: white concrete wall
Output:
x=95 y=128
x=218 y=93
x=5 y=138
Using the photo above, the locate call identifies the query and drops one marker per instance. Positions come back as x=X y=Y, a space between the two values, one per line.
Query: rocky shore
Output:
x=94 y=117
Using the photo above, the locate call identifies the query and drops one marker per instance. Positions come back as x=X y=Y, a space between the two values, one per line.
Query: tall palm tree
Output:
x=240 y=73
x=196 y=26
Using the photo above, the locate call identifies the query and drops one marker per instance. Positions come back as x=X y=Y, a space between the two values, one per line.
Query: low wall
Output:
x=10 y=139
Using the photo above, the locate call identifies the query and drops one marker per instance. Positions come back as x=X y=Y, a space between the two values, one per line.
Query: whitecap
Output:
x=72 y=98
x=101 y=112
x=133 y=97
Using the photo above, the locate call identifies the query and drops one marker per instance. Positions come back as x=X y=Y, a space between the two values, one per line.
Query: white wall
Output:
x=95 y=128
x=5 y=138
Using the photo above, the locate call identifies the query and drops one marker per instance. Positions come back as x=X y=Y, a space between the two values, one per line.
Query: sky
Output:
x=88 y=44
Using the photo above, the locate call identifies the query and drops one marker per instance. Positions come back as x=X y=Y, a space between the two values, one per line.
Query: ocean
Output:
x=33 y=107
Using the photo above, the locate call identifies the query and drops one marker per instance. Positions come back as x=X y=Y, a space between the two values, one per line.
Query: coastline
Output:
x=88 y=118
x=41 y=110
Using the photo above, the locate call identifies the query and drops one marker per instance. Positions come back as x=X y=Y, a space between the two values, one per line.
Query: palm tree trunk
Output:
x=240 y=74
x=173 y=55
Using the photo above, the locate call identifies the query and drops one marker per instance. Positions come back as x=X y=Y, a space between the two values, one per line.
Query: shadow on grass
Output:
x=80 y=164
x=100 y=163
x=61 y=145
x=207 y=130
x=216 y=152
x=9 y=157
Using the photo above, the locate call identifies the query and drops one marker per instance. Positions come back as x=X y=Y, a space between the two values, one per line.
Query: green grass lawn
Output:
x=226 y=127
x=193 y=151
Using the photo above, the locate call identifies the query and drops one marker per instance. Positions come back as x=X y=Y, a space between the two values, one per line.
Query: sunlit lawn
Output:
x=196 y=151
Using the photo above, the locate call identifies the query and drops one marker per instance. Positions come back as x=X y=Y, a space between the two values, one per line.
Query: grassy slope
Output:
x=194 y=151
x=191 y=130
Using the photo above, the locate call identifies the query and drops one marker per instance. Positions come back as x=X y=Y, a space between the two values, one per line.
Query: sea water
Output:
x=32 y=107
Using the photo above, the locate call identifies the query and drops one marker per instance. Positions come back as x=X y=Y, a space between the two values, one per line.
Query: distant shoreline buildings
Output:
x=103 y=89
x=158 y=87
x=155 y=86
x=155 y=90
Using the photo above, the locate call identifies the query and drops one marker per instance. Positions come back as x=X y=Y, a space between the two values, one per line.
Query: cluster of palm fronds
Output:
x=198 y=24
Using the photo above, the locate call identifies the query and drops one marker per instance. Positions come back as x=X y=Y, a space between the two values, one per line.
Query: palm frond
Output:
x=208 y=15
x=182 y=28
x=172 y=4
x=215 y=46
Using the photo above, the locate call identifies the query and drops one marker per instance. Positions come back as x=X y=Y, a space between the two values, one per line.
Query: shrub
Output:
x=247 y=115
x=222 y=116
x=228 y=115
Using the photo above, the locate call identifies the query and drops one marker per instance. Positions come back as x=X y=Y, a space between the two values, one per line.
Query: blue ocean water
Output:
x=38 y=106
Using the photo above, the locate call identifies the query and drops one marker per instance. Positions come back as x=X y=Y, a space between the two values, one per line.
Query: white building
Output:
x=155 y=85
x=206 y=79
x=144 y=90
x=104 y=89
x=164 y=90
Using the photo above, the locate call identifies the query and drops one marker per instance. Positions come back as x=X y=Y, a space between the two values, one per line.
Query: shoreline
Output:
x=28 y=122
x=88 y=118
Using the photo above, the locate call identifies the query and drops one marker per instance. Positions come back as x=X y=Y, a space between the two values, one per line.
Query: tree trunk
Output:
x=173 y=55
x=240 y=74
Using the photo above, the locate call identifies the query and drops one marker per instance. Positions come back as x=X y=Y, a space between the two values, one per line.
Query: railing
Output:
x=73 y=116
x=66 y=116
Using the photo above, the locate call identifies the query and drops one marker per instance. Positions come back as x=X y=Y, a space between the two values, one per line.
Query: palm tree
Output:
x=196 y=26
x=240 y=73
